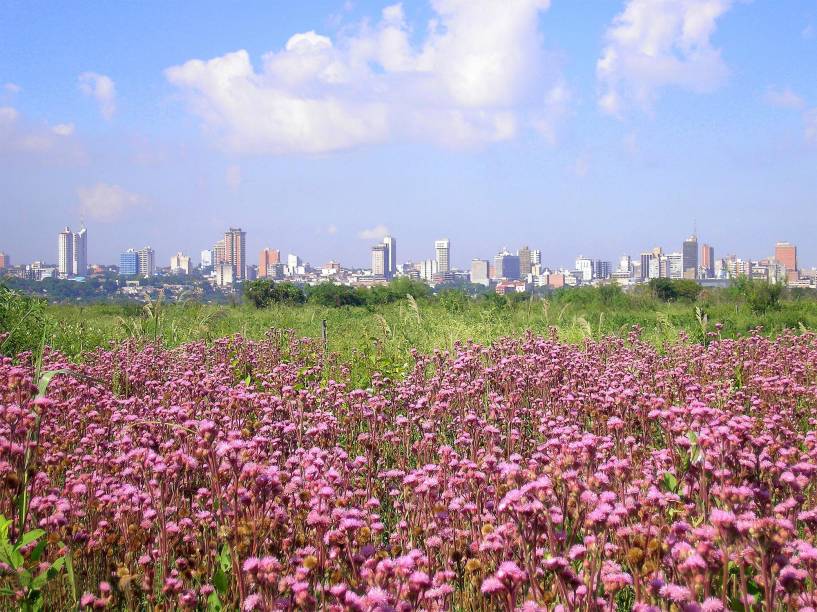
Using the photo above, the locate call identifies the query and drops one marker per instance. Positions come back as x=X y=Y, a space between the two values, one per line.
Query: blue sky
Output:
x=574 y=126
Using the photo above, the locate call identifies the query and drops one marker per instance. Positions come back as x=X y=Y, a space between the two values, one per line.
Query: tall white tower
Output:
x=65 y=253
x=443 y=251
x=80 y=260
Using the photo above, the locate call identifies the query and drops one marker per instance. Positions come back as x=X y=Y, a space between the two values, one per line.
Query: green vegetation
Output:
x=377 y=328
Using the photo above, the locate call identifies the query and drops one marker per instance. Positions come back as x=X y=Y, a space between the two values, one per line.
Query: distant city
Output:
x=224 y=267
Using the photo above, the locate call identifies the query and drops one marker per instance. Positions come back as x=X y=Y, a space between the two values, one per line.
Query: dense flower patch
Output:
x=529 y=474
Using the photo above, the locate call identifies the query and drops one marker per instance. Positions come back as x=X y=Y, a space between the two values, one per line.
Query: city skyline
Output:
x=591 y=137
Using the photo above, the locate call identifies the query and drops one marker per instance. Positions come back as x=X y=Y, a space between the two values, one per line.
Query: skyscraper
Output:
x=677 y=262
x=266 y=259
x=786 y=254
x=5 y=260
x=443 y=253
x=708 y=260
x=391 y=256
x=235 y=251
x=585 y=266
x=65 y=253
x=206 y=258
x=524 y=261
x=380 y=257
x=535 y=257
x=80 y=259
x=506 y=266
x=219 y=254
x=180 y=264
x=147 y=261
x=690 y=257
x=479 y=271
x=129 y=263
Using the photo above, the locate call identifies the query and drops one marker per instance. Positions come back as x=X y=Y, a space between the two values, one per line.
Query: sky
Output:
x=592 y=127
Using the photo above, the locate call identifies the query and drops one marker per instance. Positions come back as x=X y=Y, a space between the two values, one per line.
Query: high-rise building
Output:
x=5 y=260
x=129 y=263
x=428 y=269
x=80 y=260
x=786 y=254
x=708 y=261
x=293 y=263
x=180 y=264
x=689 y=253
x=267 y=258
x=65 y=253
x=206 y=258
x=391 y=256
x=524 y=261
x=601 y=269
x=235 y=251
x=224 y=274
x=147 y=261
x=219 y=254
x=442 y=249
x=676 y=263
x=625 y=264
x=479 y=272
x=535 y=257
x=506 y=266
x=645 y=265
x=380 y=260
x=584 y=265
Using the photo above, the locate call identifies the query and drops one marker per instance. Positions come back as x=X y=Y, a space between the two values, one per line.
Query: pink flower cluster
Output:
x=528 y=475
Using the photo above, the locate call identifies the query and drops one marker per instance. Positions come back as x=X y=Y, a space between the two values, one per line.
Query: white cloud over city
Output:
x=479 y=75
x=653 y=44
x=106 y=202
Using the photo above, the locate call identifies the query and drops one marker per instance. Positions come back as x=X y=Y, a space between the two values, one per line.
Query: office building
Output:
x=293 y=263
x=206 y=258
x=535 y=257
x=479 y=272
x=65 y=253
x=707 y=261
x=224 y=274
x=675 y=264
x=506 y=266
x=391 y=256
x=180 y=264
x=645 y=260
x=267 y=258
x=584 y=265
x=235 y=252
x=625 y=264
x=80 y=259
x=5 y=260
x=689 y=254
x=786 y=254
x=380 y=260
x=129 y=263
x=524 y=255
x=219 y=254
x=147 y=261
x=601 y=269
x=428 y=269
x=442 y=249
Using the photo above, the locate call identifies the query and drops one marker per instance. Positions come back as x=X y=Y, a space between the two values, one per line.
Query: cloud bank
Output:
x=654 y=44
x=477 y=76
x=105 y=202
x=102 y=89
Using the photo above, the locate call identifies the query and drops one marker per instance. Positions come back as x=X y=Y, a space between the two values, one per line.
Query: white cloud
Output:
x=476 y=76
x=810 y=119
x=63 y=129
x=104 y=202
x=12 y=88
x=377 y=232
x=658 y=43
x=102 y=89
x=18 y=136
x=233 y=176
x=783 y=98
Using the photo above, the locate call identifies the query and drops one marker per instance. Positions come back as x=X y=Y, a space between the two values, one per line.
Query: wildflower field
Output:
x=531 y=474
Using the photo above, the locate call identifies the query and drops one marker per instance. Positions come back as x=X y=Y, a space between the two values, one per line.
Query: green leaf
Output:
x=28 y=538
x=24 y=576
x=214 y=603
x=224 y=559
x=670 y=482
x=38 y=551
x=220 y=580
x=45 y=380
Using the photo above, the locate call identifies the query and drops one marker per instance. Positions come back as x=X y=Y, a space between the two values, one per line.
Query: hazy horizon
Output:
x=318 y=126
